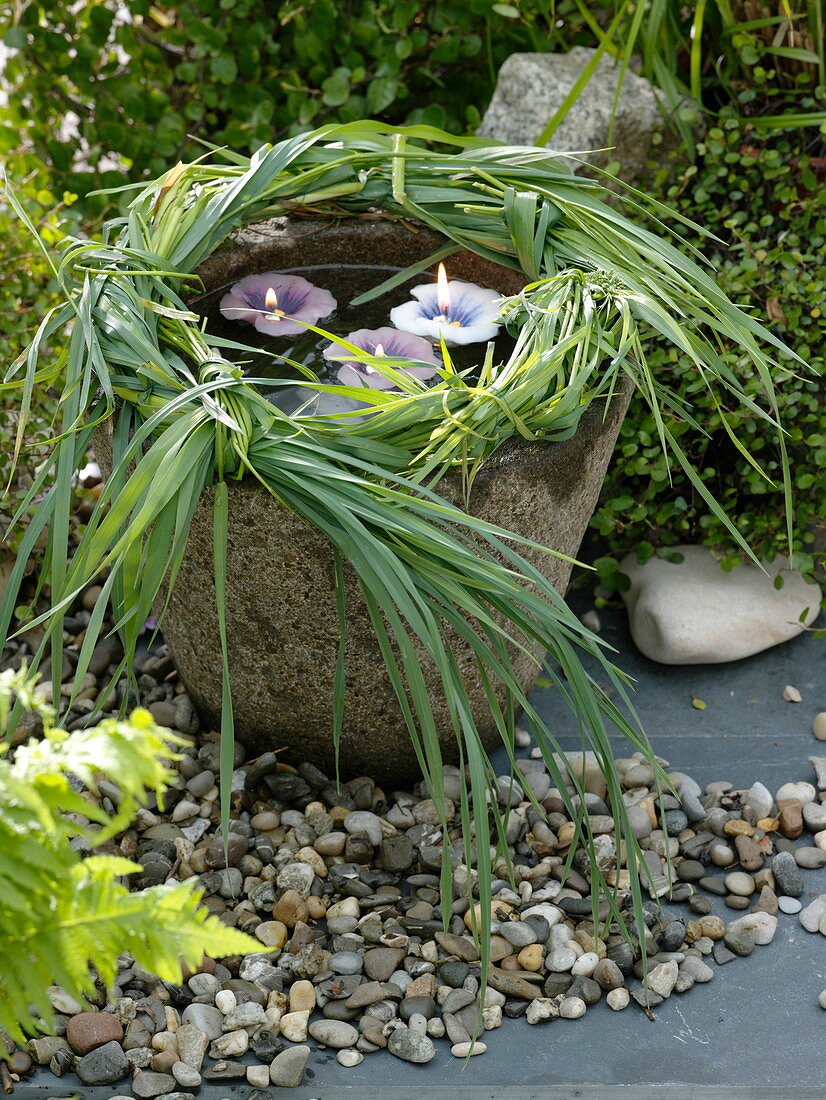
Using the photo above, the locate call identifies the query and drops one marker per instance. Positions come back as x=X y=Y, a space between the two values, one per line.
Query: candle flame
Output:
x=443 y=292
x=271 y=299
x=379 y=350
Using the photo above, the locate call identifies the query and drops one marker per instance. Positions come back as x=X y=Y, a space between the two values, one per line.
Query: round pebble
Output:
x=349 y=1057
x=571 y=1008
x=618 y=999
x=819 y=726
x=740 y=883
x=789 y=905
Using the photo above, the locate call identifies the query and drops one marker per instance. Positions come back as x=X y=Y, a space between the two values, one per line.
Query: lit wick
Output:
x=379 y=350
x=443 y=296
x=271 y=303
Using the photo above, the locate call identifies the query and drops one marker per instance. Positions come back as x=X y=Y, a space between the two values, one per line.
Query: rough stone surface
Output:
x=531 y=87
x=103 y=1065
x=693 y=613
x=287 y=1068
x=280 y=591
x=92 y=1029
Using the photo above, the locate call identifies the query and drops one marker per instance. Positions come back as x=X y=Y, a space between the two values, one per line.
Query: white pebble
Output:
x=348 y=1057
x=258 y=1076
x=590 y=620
x=803 y=792
x=522 y=737
x=821 y=1000
x=492 y=1017
x=541 y=1008
x=462 y=1050
x=789 y=905
x=819 y=726
x=435 y=1028
x=618 y=999
x=225 y=1000
x=571 y=1008
x=585 y=964
x=791 y=694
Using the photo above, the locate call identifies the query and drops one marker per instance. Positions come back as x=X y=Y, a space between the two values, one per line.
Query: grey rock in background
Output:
x=531 y=86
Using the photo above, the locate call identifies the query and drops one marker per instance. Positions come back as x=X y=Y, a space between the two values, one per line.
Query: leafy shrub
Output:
x=29 y=292
x=60 y=914
x=140 y=77
x=768 y=206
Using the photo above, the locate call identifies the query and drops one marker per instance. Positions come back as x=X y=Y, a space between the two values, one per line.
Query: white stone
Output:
x=585 y=964
x=230 y=1045
x=462 y=1050
x=258 y=1077
x=188 y=1077
x=618 y=999
x=760 y=927
x=572 y=1008
x=250 y=1015
x=759 y=801
x=814 y=816
x=293 y=1026
x=803 y=792
x=819 y=726
x=530 y=87
x=811 y=916
x=551 y=913
x=661 y=979
x=791 y=694
x=819 y=765
x=789 y=905
x=693 y=612
x=349 y=1058
x=541 y=1008
x=225 y=1000
x=347 y=907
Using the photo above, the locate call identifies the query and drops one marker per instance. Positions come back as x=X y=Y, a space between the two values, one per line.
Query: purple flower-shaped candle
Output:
x=381 y=342
x=276 y=304
x=462 y=313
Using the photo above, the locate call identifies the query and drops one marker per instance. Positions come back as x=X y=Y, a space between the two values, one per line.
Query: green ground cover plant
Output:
x=64 y=919
x=765 y=203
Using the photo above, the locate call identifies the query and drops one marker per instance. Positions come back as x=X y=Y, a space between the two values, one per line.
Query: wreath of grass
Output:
x=185 y=417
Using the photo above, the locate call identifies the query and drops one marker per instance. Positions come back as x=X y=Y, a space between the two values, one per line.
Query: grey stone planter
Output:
x=282 y=624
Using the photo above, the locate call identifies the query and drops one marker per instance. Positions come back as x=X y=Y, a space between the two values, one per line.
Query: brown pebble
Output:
x=736 y=901
x=372 y=1035
x=751 y=858
x=768 y=824
x=791 y=817
x=735 y=826
x=290 y=909
x=164 y=1060
x=510 y=963
x=90 y=1030
x=20 y=1063
x=767 y=902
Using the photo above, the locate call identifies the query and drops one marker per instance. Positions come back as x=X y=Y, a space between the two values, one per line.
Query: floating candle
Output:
x=462 y=313
x=276 y=304
x=381 y=343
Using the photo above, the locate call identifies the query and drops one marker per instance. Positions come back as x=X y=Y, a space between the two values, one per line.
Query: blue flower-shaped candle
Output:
x=381 y=342
x=277 y=304
x=461 y=313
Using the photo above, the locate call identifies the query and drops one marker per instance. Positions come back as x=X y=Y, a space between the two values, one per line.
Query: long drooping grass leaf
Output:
x=186 y=419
